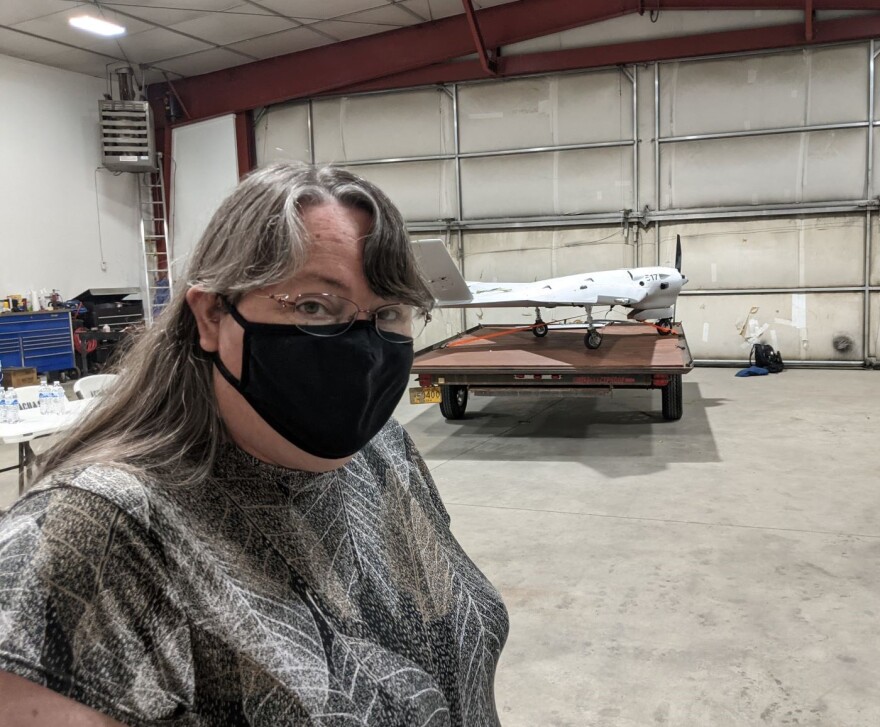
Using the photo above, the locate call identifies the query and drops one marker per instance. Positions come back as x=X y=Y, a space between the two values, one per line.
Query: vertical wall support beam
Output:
x=866 y=313
x=459 y=204
x=635 y=111
x=657 y=160
x=245 y=142
x=311 y=122
x=165 y=167
x=872 y=63
x=456 y=129
x=490 y=65
x=808 y=19
x=632 y=77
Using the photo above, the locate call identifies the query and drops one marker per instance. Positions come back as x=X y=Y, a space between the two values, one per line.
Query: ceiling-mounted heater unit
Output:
x=127 y=136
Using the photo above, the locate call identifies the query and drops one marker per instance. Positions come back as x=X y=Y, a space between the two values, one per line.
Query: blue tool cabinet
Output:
x=41 y=340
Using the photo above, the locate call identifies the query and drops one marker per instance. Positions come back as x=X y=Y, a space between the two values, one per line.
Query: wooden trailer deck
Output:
x=625 y=349
x=507 y=360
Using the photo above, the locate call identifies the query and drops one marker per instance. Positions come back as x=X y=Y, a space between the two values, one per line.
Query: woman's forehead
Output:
x=331 y=266
x=335 y=223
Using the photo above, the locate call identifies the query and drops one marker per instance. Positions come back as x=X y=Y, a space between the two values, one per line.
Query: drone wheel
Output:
x=540 y=330
x=593 y=340
x=664 y=326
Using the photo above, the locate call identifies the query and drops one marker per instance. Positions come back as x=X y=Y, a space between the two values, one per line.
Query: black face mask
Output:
x=328 y=396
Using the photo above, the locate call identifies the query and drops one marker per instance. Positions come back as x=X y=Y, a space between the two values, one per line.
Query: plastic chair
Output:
x=92 y=386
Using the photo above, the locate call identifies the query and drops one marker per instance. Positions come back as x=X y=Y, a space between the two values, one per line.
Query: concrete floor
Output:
x=717 y=571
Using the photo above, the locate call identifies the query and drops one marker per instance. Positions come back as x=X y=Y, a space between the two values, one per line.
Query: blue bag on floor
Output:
x=753 y=371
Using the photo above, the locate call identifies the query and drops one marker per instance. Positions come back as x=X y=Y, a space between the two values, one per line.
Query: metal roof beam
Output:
x=320 y=70
x=420 y=48
x=660 y=49
x=489 y=65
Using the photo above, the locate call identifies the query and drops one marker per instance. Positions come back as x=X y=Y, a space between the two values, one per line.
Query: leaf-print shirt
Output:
x=262 y=596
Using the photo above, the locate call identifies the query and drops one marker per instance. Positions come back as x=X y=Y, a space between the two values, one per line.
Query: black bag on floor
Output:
x=764 y=356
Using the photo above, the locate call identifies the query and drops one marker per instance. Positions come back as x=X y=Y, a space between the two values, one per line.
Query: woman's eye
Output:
x=392 y=315
x=311 y=308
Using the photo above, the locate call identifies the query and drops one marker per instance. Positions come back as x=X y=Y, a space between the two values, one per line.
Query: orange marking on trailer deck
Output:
x=490 y=336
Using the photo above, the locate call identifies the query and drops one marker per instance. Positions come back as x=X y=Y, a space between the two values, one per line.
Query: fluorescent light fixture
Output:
x=96 y=25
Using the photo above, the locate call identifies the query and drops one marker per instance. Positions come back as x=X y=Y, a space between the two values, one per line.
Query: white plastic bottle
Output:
x=2 y=405
x=13 y=413
x=45 y=398
x=60 y=398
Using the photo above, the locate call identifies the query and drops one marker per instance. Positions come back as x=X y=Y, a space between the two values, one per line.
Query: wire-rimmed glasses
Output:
x=326 y=315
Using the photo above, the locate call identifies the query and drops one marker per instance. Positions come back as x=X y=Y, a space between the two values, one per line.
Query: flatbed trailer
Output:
x=513 y=361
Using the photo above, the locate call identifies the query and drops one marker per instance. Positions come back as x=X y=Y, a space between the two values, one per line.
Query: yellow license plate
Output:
x=424 y=395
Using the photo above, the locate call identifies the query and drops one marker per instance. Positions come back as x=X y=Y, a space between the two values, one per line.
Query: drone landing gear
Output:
x=664 y=326
x=540 y=328
x=592 y=339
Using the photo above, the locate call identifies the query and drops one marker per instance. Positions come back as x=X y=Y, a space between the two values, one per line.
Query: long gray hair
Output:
x=162 y=418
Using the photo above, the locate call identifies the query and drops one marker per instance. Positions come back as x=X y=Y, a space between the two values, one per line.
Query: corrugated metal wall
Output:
x=763 y=163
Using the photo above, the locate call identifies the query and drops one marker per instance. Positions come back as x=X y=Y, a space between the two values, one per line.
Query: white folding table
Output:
x=33 y=424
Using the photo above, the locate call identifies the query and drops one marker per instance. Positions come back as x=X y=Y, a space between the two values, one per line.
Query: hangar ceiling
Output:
x=190 y=37
x=422 y=41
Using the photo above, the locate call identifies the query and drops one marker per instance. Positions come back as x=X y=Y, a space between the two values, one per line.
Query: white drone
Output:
x=649 y=292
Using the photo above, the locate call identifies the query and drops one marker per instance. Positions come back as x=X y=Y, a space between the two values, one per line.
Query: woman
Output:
x=241 y=534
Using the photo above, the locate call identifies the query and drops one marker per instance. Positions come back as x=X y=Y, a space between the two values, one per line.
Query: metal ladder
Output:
x=155 y=242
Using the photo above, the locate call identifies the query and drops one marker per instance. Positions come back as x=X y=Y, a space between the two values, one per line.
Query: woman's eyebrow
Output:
x=325 y=279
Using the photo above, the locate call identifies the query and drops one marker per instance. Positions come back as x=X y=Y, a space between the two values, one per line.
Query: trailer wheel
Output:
x=453 y=401
x=671 y=398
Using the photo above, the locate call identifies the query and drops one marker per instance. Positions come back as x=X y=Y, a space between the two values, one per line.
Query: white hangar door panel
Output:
x=281 y=134
x=204 y=171
x=547 y=146
x=756 y=95
x=769 y=132
x=403 y=142
x=761 y=280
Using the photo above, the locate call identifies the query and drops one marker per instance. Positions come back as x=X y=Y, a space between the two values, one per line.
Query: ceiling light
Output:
x=96 y=25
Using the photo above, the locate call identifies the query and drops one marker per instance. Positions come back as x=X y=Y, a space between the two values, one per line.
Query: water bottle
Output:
x=45 y=398
x=2 y=405
x=13 y=413
x=60 y=398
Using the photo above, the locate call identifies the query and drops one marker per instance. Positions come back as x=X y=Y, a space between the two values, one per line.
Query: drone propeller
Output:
x=677 y=267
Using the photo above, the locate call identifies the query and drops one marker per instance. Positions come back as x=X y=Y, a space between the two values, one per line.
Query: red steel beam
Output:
x=759 y=5
x=167 y=176
x=751 y=39
x=245 y=142
x=808 y=19
x=319 y=70
x=489 y=64
x=418 y=48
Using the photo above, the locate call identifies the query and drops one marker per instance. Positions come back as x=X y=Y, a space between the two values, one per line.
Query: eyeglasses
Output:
x=326 y=315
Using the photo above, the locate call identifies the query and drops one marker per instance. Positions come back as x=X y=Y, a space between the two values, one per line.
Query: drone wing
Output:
x=450 y=290
x=527 y=295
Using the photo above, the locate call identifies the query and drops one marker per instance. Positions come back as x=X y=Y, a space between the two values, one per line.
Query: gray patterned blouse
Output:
x=262 y=596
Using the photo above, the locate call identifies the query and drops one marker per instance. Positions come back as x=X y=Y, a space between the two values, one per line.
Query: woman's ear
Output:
x=208 y=312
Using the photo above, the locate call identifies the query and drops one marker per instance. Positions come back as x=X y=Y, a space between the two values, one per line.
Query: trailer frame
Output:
x=509 y=360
